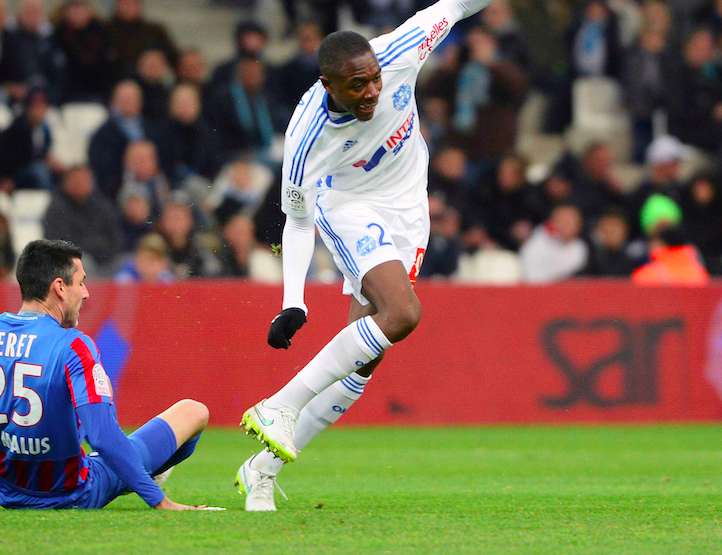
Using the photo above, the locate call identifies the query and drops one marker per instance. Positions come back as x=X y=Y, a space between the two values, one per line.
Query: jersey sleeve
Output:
x=303 y=164
x=411 y=44
x=84 y=374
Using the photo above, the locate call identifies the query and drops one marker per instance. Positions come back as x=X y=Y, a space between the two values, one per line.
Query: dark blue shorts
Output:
x=154 y=442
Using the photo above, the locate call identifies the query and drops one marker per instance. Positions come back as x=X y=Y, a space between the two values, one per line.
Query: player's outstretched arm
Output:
x=105 y=436
x=299 y=239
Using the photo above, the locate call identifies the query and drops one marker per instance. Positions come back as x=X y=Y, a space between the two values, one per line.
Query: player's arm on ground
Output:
x=410 y=44
x=92 y=396
x=302 y=168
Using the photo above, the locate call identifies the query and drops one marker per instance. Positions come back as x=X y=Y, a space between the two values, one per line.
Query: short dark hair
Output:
x=339 y=47
x=41 y=262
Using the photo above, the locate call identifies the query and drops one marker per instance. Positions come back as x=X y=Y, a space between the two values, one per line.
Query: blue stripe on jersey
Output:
x=365 y=336
x=310 y=146
x=340 y=247
x=365 y=325
x=398 y=40
x=304 y=112
x=299 y=151
x=413 y=42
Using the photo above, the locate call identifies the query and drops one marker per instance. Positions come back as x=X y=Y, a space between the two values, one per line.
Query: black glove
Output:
x=284 y=325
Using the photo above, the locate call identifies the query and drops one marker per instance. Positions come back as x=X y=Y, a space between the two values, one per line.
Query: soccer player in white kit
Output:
x=355 y=164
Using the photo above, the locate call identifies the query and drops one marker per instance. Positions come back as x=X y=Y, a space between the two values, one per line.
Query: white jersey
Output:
x=384 y=160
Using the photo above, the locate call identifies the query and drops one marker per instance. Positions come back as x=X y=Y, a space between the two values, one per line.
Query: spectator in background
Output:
x=710 y=16
x=136 y=218
x=555 y=250
x=298 y=74
x=188 y=255
x=240 y=113
x=489 y=93
x=149 y=264
x=155 y=79
x=508 y=203
x=33 y=57
x=84 y=42
x=674 y=260
x=498 y=19
x=610 y=252
x=131 y=35
x=594 y=185
x=448 y=178
x=241 y=256
x=240 y=188
x=694 y=93
x=702 y=213
x=644 y=85
x=593 y=42
x=11 y=90
x=188 y=145
x=79 y=214
x=25 y=159
x=7 y=253
x=142 y=170
x=192 y=69
x=250 y=40
x=125 y=124
x=664 y=160
x=441 y=258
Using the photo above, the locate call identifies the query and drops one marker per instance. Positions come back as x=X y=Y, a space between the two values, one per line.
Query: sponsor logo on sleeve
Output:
x=429 y=43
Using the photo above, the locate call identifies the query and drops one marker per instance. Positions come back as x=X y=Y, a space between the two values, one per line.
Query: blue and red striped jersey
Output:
x=46 y=371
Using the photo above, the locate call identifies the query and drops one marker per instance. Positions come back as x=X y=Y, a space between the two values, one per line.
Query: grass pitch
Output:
x=616 y=490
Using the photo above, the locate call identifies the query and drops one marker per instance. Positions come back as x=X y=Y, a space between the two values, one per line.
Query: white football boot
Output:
x=258 y=487
x=274 y=428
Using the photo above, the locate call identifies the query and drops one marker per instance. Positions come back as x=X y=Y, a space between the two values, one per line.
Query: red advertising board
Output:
x=577 y=352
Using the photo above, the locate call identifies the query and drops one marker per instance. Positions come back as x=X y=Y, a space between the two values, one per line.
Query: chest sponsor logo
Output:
x=429 y=43
x=394 y=143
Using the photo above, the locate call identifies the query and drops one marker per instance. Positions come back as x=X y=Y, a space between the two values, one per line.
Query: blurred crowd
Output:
x=180 y=177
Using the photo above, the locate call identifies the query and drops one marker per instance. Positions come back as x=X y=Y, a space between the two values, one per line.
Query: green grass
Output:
x=616 y=490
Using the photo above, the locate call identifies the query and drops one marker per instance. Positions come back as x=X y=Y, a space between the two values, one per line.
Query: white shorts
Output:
x=361 y=236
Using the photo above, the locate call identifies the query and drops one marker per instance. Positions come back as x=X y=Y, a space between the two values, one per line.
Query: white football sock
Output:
x=353 y=347
x=325 y=409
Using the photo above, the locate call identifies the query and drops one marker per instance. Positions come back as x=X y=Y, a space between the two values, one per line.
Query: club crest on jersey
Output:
x=402 y=97
x=348 y=145
x=366 y=245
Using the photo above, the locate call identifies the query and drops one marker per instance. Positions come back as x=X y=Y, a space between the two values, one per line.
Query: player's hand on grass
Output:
x=284 y=326
x=169 y=505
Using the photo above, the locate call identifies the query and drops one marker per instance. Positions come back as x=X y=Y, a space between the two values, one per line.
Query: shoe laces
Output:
x=288 y=421
x=265 y=484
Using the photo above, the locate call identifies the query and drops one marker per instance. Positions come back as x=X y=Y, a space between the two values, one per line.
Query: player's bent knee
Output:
x=195 y=411
x=402 y=320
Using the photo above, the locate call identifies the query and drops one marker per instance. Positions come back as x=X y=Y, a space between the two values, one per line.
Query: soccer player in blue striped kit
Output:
x=355 y=165
x=54 y=393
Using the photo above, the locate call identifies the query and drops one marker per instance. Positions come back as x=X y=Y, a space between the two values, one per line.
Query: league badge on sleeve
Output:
x=402 y=97
x=101 y=381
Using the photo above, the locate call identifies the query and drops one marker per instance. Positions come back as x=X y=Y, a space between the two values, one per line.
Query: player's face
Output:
x=357 y=87
x=76 y=293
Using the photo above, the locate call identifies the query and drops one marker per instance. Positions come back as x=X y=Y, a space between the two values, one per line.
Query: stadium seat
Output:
x=599 y=115
x=489 y=266
x=72 y=131
x=26 y=214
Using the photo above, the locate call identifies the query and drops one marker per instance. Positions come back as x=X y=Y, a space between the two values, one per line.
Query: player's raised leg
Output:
x=387 y=286
x=171 y=437
x=256 y=478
